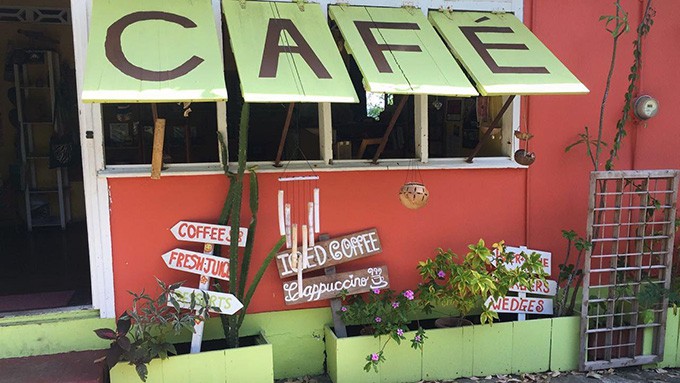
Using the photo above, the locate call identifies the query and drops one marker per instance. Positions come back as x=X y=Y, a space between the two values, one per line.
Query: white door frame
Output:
x=95 y=187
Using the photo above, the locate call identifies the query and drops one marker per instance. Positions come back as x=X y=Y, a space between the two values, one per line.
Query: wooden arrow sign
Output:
x=523 y=305
x=221 y=303
x=207 y=233
x=197 y=263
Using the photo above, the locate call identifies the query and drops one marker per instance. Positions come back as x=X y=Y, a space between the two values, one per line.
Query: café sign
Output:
x=331 y=286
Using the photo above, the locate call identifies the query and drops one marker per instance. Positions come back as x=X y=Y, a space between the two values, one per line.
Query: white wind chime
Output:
x=298 y=203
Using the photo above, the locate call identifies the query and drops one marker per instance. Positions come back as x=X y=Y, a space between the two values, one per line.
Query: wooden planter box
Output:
x=243 y=364
x=480 y=350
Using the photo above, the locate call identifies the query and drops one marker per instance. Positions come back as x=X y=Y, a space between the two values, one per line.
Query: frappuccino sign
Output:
x=331 y=286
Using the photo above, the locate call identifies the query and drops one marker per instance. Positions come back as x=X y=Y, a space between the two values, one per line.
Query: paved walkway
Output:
x=622 y=375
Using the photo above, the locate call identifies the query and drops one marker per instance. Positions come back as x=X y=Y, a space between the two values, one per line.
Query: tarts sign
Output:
x=221 y=303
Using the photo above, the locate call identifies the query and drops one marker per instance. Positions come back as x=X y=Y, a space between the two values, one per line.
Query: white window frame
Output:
x=96 y=173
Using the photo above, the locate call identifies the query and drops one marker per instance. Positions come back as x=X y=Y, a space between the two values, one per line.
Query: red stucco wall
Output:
x=523 y=207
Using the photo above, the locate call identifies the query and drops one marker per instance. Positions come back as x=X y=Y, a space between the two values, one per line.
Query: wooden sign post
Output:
x=521 y=304
x=325 y=254
x=207 y=266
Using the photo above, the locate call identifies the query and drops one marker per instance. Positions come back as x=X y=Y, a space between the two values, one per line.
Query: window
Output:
x=129 y=129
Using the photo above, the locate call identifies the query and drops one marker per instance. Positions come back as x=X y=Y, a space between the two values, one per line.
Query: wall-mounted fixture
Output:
x=646 y=107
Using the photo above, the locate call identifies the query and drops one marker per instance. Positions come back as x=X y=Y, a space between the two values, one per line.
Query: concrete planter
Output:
x=481 y=350
x=243 y=364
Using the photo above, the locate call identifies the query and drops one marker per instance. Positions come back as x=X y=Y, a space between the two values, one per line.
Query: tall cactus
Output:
x=231 y=213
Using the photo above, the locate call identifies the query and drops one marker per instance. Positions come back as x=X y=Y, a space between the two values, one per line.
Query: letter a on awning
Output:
x=285 y=53
x=153 y=51
x=398 y=51
x=503 y=56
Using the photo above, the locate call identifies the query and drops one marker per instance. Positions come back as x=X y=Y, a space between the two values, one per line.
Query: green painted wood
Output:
x=207 y=366
x=670 y=349
x=125 y=373
x=402 y=362
x=331 y=342
x=350 y=359
x=295 y=81
x=447 y=353
x=51 y=334
x=559 y=80
x=492 y=348
x=565 y=346
x=249 y=364
x=158 y=46
x=430 y=71
x=531 y=345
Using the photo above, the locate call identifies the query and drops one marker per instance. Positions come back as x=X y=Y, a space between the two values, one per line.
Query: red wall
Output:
x=523 y=207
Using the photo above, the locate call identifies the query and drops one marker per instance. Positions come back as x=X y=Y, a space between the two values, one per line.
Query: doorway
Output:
x=44 y=260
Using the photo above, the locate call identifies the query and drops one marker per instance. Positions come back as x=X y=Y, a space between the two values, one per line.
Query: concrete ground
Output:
x=622 y=375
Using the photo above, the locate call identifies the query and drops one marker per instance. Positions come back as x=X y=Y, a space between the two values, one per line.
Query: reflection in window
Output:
x=456 y=124
x=375 y=104
x=128 y=133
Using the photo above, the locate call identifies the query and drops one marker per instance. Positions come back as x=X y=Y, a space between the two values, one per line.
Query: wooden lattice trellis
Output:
x=631 y=226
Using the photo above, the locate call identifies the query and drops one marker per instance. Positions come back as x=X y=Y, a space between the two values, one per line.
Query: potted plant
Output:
x=385 y=315
x=144 y=339
x=465 y=286
x=524 y=156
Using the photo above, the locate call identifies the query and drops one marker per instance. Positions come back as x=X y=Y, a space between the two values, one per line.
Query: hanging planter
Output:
x=413 y=195
x=524 y=156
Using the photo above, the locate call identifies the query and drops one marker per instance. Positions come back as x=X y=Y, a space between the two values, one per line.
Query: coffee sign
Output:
x=332 y=252
x=331 y=286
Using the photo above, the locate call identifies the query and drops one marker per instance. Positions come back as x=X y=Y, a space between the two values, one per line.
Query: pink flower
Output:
x=441 y=274
x=378 y=319
x=376 y=291
x=400 y=332
x=417 y=339
x=395 y=304
x=375 y=357
x=343 y=309
x=409 y=295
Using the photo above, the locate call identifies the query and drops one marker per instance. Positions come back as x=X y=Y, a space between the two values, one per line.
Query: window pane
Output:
x=455 y=126
x=128 y=133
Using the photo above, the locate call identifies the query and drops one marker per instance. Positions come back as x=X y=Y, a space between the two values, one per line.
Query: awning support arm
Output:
x=386 y=136
x=489 y=131
x=284 y=134
x=158 y=138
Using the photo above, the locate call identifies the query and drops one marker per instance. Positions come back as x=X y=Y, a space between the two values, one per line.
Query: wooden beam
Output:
x=158 y=139
x=393 y=121
x=284 y=134
x=489 y=131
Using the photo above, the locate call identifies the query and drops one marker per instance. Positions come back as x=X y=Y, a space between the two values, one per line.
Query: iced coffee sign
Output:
x=523 y=304
x=329 y=253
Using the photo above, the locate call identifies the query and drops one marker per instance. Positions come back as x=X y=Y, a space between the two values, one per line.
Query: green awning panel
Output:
x=398 y=51
x=153 y=51
x=286 y=54
x=503 y=56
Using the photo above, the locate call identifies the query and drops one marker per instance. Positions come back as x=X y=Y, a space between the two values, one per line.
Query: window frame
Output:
x=511 y=119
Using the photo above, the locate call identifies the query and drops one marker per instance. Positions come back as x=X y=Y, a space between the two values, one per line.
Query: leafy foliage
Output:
x=571 y=274
x=142 y=334
x=387 y=313
x=465 y=286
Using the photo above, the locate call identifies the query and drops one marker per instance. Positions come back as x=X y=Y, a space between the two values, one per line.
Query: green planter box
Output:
x=481 y=350
x=244 y=364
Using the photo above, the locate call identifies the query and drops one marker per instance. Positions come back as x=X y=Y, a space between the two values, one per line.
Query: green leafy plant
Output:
x=465 y=286
x=239 y=267
x=571 y=274
x=386 y=314
x=142 y=333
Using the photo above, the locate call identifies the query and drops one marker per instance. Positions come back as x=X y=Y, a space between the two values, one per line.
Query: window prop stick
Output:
x=393 y=121
x=284 y=134
x=158 y=138
x=489 y=131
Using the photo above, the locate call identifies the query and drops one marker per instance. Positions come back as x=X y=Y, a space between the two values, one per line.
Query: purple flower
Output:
x=395 y=304
x=441 y=274
x=417 y=339
x=375 y=357
x=376 y=291
x=409 y=295
x=378 y=319
x=400 y=332
x=343 y=309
